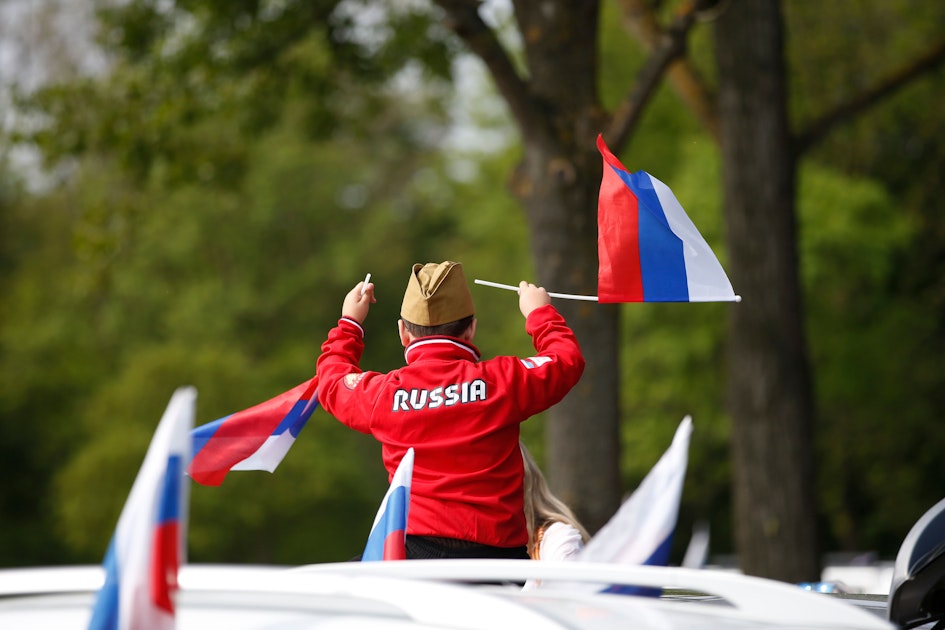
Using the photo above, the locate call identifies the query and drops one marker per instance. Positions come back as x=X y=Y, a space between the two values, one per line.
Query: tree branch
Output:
x=666 y=48
x=640 y=20
x=462 y=17
x=818 y=129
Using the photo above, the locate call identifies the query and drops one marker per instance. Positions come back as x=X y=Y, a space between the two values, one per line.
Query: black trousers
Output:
x=434 y=548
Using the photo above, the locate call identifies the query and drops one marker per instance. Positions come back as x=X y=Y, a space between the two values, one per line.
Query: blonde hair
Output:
x=542 y=507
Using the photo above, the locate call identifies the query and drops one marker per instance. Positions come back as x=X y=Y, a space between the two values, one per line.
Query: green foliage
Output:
x=47 y=358
x=873 y=269
x=839 y=49
x=238 y=64
x=851 y=258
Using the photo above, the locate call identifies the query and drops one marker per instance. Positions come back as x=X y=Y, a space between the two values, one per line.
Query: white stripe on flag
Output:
x=269 y=455
x=704 y=274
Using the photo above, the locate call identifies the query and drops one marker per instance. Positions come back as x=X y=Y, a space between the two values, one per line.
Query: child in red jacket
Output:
x=459 y=413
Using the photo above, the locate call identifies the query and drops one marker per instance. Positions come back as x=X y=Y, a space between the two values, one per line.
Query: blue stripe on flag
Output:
x=394 y=519
x=662 y=262
x=660 y=555
x=659 y=558
x=169 y=505
x=105 y=611
x=297 y=417
x=202 y=434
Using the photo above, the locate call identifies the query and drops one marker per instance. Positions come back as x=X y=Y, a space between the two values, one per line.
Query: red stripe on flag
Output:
x=619 y=277
x=394 y=548
x=164 y=565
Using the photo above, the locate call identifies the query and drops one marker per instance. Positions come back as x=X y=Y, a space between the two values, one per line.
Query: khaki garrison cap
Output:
x=437 y=294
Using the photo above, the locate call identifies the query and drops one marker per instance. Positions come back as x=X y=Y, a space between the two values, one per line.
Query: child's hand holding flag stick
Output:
x=567 y=296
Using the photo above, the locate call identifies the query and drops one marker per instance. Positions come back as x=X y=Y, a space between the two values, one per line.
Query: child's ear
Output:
x=470 y=331
x=405 y=337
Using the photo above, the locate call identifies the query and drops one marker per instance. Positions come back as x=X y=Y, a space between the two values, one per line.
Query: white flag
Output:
x=641 y=532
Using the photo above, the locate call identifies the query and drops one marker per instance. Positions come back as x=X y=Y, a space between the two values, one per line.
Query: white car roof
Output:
x=417 y=594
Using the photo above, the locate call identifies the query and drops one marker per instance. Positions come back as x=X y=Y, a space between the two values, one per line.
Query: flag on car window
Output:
x=149 y=543
x=648 y=248
x=256 y=438
x=389 y=532
x=641 y=532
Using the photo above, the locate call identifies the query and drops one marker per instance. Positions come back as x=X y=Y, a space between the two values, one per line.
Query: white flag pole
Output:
x=593 y=298
x=566 y=296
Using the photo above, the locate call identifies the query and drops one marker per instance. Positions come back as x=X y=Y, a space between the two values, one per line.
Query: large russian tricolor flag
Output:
x=389 y=533
x=149 y=544
x=648 y=248
x=256 y=438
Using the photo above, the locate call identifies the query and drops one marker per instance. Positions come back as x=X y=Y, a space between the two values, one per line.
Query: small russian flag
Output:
x=388 y=537
x=256 y=438
x=149 y=544
x=648 y=248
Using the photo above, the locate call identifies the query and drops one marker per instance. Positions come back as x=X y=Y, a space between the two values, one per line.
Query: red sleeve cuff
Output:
x=352 y=323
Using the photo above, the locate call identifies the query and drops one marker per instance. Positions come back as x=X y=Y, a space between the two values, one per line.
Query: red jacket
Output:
x=461 y=415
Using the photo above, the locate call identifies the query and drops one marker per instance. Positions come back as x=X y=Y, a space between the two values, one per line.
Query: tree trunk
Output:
x=582 y=431
x=558 y=183
x=769 y=392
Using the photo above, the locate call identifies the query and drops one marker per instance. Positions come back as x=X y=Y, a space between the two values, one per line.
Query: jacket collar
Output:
x=440 y=348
